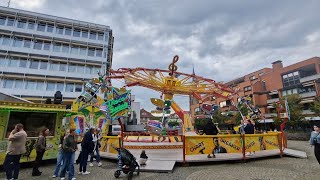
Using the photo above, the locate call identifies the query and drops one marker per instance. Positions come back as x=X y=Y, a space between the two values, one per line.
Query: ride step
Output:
x=295 y=153
x=158 y=166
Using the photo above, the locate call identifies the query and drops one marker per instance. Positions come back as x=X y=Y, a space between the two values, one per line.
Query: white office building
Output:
x=41 y=54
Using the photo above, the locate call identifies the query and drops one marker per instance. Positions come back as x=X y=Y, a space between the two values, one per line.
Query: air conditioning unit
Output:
x=283 y=115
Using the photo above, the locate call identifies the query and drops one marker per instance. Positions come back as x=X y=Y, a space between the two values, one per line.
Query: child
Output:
x=143 y=158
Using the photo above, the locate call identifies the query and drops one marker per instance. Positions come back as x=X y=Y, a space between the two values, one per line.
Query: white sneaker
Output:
x=62 y=178
x=85 y=173
x=79 y=173
x=54 y=176
x=99 y=164
x=73 y=178
x=91 y=165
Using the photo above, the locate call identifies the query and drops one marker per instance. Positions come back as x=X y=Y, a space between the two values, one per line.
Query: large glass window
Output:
x=80 y=69
x=23 y=63
x=63 y=67
x=3 y=61
x=51 y=86
x=91 y=52
x=100 y=36
x=31 y=25
x=68 y=31
x=3 y=20
x=72 y=68
x=33 y=122
x=22 y=24
x=291 y=79
x=43 y=65
x=13 y=62
x=17 y=42
x=37 y=45
x=54 y=66
x=74 y=50
x=78 y=88
x=93 y=35
x=10 y=22
x=27 y=43
x=88 y=69
x=98 y=52
x=69 y=87
x=59 y=30
x=40 y=85
x=7 y=83
x=34 y=64
x=41 y=27
x=56 y=47
x=84 y=34
x=60 y=86
x=76 y=33
x=65 y=48
x=18 y=84
x=46 y=46
x=6 y=41
x=50 y=28
x=83 y=51
x=30 y=85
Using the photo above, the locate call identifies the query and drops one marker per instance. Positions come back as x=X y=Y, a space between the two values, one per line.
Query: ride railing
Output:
x=110 y=143
x=232 y=143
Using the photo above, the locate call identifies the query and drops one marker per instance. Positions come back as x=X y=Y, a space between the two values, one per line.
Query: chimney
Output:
x=277 y=65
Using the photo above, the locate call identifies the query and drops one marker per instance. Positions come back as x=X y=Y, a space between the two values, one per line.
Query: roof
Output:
x=21 y=106
x=145 y=114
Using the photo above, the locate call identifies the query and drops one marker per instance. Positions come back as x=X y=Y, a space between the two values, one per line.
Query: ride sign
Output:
x=118 y=102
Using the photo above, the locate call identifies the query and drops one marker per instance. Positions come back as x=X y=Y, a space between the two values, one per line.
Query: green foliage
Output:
x=316 y=106
x=217 y=117
x=244 y=110
x=173 y=123
x=295 y=109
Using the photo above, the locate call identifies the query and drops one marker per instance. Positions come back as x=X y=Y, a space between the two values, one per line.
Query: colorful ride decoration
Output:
x=171 y=82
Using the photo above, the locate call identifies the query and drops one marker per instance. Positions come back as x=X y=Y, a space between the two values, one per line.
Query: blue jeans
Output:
x=97 y=155
x=59 y=163
x=11 y=165
x=68 y=161
x=83 y=161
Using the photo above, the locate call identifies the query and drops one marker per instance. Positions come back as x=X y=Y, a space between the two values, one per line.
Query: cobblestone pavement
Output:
x=261 y=169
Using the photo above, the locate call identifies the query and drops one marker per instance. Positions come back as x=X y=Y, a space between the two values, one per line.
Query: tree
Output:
x=217 y=117
x=316 y=106
x=295 y=109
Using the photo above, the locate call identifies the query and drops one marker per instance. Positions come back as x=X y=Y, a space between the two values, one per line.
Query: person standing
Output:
x=211 y=129
x=315 y=141
x=41 y=147
x=87 y=146
x=17 y=147
x=249 y=129
x=96 y=139
x=60 y=157
x=69 y=147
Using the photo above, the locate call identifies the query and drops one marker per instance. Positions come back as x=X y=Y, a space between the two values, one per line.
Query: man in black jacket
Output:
x=211 y=129
x=87 y=147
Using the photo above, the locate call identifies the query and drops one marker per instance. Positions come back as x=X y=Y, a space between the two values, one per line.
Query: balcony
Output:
x=308 y=94
x=271 y=101
x=305 y=112
x=310 y=78
x=270 y=115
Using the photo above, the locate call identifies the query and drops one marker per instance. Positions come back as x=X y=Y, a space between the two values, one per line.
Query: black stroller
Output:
x=126 y=163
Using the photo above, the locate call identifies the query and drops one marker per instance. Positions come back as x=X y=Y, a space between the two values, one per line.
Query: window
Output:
x=60 y=86
x=34 y=64
x=8 y=83
x=50 y=86
x=248 y=88
x=50 y=28
x=31 y=25
x=63 y=67
x=43 y=65
x=40 y=85
x=41 y=27
x=32 y=121
x=65 y=48
x=10 y=22
x=261 y=74
x=22 y=24
x=18 y=84
x=27 y=43
x=37 y=45
x=291 y=79
x=69 y=87
x=100 y=36
x=74 y=50
x=46 y=46
x=83 y=51
x=78 y=88
x=59 y=30
x=88 y=69
x=93 y=35
x=76 y=33
x=56 y=47
x=68 y=31
x=80 y=69
x=95 y=70
x=99 y=53
x=264 y=87
x=23 y=63
x=72 y=68
x=84 y=34
x=91 y=52
x=3 y=20
x=17 y=42
x=252 y=78
x=6 y=41
x=54 y=66
x=3 y=61
x=13 y=62
x=30 y=85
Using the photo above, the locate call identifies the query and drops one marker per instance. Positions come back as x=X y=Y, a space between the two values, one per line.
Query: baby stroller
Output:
x=126 y=163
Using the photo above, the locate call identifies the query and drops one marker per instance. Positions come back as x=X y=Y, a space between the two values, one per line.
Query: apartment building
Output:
x=41 y=54
x=266 y=86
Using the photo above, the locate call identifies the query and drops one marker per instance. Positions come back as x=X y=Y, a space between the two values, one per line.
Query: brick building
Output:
x=267 y=85
x=145 y=116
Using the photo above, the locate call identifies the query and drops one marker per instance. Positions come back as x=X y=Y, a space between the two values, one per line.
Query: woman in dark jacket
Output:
x=40 y=149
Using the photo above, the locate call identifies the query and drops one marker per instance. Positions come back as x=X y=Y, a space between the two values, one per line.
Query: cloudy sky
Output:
x=222 y=39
